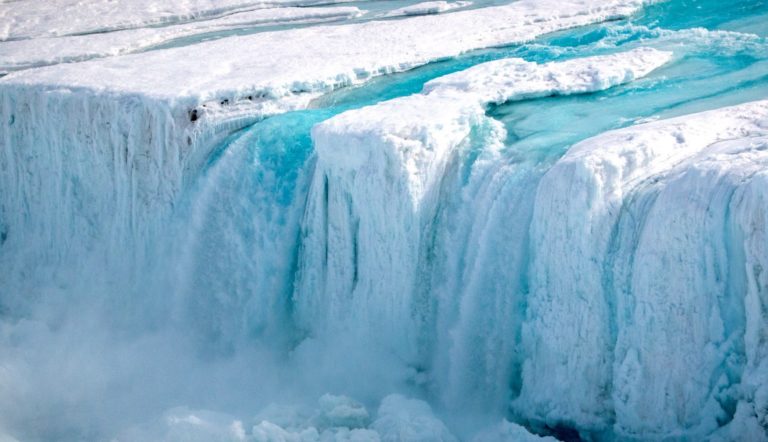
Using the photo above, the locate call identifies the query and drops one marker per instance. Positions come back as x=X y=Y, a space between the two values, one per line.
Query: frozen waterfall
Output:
x=442 y=221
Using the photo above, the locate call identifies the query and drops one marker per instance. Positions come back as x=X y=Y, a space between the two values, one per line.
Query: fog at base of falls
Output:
x=202 y=313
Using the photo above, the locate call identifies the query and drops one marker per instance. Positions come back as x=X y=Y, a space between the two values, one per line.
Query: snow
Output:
x=377 y=182
x=504 y=80
x=424 y=8
x=27 y=53
x=23 y=19
x=320 y=58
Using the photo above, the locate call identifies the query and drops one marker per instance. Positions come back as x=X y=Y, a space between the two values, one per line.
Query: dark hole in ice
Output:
x=565 y=434
x=193 y=115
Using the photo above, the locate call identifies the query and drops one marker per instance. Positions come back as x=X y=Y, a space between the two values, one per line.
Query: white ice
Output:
x=112 y=141
x=22 y=19
x=648 y=245
x=320 y=58
x=27 y=53
x=425 y=8
x=377 y=183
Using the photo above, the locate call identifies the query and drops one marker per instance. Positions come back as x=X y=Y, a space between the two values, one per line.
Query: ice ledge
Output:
x=380 y=170
x=146 y=122
x=512 y=79
x=321 y=58
x=417 y=127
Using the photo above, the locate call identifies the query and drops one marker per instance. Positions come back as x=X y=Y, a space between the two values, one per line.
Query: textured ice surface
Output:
x=636 y=258
x=378 y=181
x=142 y=125
x=20 y=19
x=509 y=432
x=559 y=241
x=320 y=58
x=27 y=53
x=425 y=8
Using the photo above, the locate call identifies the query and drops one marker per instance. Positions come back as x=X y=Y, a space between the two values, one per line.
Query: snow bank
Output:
x=378 y=181
x=512 y=79
x=22 y=19
x=27 y=53
x=646 y=294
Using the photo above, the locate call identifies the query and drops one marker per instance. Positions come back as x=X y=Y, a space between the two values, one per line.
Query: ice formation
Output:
x=424 y=8
x=559 y=239
x=642 y=243
x=144 y=124
x=23 y=19
x=27 y=53
x=378 y=181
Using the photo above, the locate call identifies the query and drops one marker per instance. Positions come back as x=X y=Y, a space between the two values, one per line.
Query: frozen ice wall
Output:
x=385 y=172
x=636 y=258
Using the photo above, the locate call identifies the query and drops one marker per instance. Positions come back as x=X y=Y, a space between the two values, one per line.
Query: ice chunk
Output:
x=515 y=79
x=185 y=425
x=509 y=432
x=401 y=419
x=424 y=8
x=269 y=432
x=341 y=411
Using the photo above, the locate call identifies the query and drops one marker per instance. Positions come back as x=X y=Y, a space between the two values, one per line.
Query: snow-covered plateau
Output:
x=302 y=220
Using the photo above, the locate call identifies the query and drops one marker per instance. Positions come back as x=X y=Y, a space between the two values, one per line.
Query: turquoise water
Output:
x=262 y=174
x=709 y=70
x=267 y=166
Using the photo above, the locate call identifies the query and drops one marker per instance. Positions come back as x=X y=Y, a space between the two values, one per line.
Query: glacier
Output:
x=384 y=221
